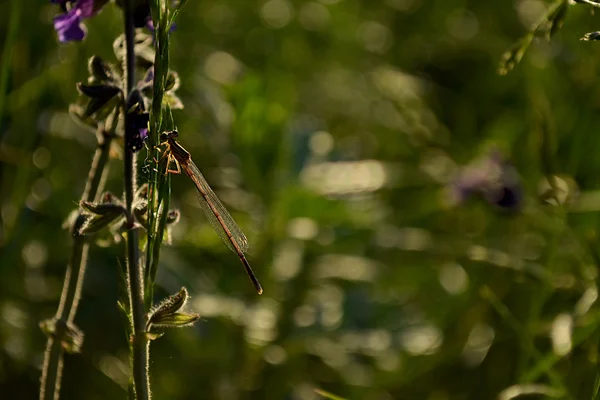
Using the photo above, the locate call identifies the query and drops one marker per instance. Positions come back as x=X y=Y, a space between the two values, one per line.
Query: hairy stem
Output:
x=71 y=292
x=135 y=284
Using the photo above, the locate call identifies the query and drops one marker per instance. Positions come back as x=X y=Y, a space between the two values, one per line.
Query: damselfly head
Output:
x=168 y=135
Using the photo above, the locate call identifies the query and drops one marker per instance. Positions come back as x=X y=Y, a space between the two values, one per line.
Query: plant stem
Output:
x=135 y=284
x=71 y=293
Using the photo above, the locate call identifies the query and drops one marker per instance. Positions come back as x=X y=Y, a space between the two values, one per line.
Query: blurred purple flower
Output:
x=68 y=25
x=491 y=177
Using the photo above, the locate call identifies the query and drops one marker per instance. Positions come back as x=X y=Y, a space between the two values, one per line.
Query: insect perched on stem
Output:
x=215 y=211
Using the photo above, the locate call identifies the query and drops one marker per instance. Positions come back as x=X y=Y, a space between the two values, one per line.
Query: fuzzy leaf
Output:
x=105 y=92
x=101 y=107
x=102 y=208
x=153 y=335
x=141 y=216
x=173 y=81
x=142 y=191
x=170 y=305
x=549 y=24
x=514 y=55
x=97 y=222
x=99 y=70
x=557 y=18
x=175 y=320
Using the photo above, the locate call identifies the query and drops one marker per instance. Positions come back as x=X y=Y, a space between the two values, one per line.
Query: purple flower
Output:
x=491 y=177
x=68 y=26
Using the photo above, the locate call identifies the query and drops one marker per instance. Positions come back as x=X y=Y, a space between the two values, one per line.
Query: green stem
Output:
x=157 y=179
x=135 y=284
x=71 y=293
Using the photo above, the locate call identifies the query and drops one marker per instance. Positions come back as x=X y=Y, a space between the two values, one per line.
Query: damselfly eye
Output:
x=168 y=135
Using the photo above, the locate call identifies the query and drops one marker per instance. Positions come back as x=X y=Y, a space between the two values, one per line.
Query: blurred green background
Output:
x=331 y=129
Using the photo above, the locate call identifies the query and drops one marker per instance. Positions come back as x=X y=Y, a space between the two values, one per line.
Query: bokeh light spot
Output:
x=222 y=67
x=374 y=37
x=314 y=16
x=277 y=13
x=303 y=228
x=453 y=278
x=41 y=157
x=421 y=340
x=321 y=143
x=34 y=254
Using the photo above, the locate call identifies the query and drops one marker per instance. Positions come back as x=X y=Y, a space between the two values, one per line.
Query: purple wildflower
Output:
x=491 y=177
x=68 y=26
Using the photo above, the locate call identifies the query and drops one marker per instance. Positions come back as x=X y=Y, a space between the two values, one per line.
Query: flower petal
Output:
x=68 y=26
x=86 y=7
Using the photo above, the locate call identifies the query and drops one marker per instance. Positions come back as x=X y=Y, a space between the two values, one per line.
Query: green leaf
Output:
x=176 y=11
x=173 y=101
x=175 y=320
x=548 y=25
x=514 y=55
x=555 y=19
x=153 y=335
x=328 y=395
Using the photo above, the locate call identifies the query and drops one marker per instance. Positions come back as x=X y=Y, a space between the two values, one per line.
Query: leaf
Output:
x=514 y=55
x=327 y=395
x=101 y=107
x=78 y=114
x=555 y=19
x=99 y=70
x=153 y=335
x=97 y=222
x=549 y=24
x=102 y=91
x=173 y=101
x=176 y=11
x=172 y=83
x=169 y=305
x=102 y=208
x=175 y=320
x=71 y=337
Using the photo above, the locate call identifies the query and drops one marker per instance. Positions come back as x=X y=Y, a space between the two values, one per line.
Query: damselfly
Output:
x=215 y=211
